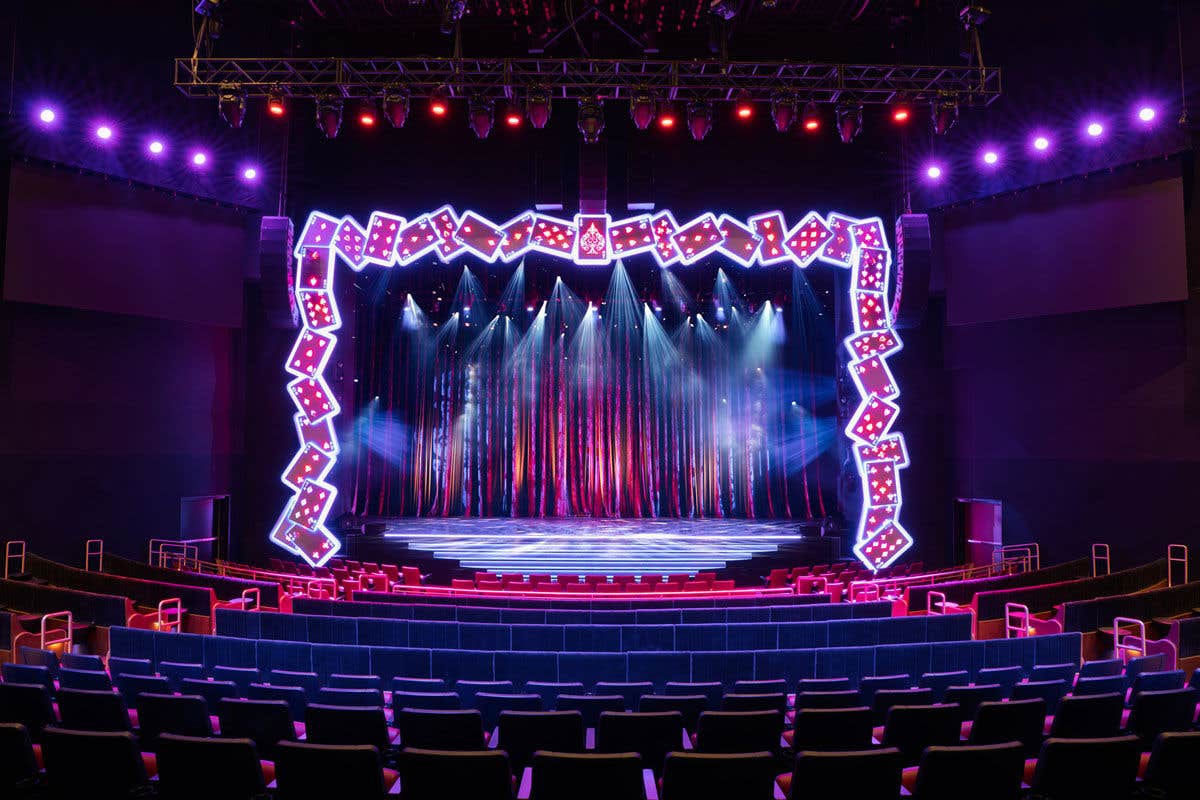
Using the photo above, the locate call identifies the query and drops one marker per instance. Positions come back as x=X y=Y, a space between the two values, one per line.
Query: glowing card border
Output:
x=880 y=538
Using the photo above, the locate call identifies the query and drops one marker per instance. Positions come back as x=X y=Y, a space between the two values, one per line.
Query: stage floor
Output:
x=587 y=545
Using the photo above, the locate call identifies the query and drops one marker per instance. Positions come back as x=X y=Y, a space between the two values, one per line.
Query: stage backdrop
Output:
x=545 y=389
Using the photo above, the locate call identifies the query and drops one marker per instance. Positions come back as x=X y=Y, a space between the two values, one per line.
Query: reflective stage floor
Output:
x=588 y=545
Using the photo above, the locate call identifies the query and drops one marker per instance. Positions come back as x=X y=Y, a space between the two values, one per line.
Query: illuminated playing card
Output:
x=553 y=236
x=311 y=463
x=629 y=236
x=875 y=517
x=383 y=231
x=738 y=241
x=591 y=245
x=872 y=420
x=312 y=504
x=870 y=270
x=313 y=398
x=868 y=233
x=319 y=433
x=517 y=233
x=445 y=226
x=870 y=313
x=840 y=246
x=315 y=547
x=770 y=228
x=479 y=236
x=310 y=353
x=664 y=228
x=872 y=376
x=883 y=488
x=351 y=241
x=808 y=237
x=698 y=238
x=316 y=268
x=890 y=448
x=415 y=240
x=871 y=343
x=883 y=546
x=318 y=310
x=318 y=231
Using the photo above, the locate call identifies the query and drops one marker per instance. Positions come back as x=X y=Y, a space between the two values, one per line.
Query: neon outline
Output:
x=578 y=258
x=880 y=538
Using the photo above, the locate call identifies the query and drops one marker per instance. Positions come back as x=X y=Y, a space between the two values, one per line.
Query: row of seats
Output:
x=632 y=637
x=607 y=601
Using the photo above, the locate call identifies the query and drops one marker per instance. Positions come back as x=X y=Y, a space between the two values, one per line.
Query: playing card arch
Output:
x=591 y=240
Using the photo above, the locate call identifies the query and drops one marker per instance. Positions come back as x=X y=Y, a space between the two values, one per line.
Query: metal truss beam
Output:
x=706 y=80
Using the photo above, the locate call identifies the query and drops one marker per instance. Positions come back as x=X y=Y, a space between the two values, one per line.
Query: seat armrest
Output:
x=526 y=784
x=494 y=739
x=650 y=784
x=778 y=795
x=687 y=741
x=589 y=739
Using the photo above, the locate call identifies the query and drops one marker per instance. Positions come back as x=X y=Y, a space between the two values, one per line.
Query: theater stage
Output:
x=589 y=545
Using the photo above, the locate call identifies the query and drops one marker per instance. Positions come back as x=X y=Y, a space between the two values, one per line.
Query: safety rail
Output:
x=251 y=599
x=46 y=636
x=169 y=550
x=1029 y=553
x=93 y=551
x=1101 y=552
x=448 y=591
x=292 y=584
x=1122 y=648
x=935 y=600
x=170 y=615
x=1012 y=612
x=321 y=589
x=14 y=550
x=1177 y=554
x=862 y=592
x=893 y=588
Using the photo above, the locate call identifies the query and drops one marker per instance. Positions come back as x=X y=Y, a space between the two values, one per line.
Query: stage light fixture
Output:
x=1146 y=114
x=329 y=116
x=47 y=116
x=199 y=158
x=591 y=119
x=723 y=9
x=667 y=118
x=512 y=114
x=783 y=112
x=743 y=107
x=1094 y=129
x=538 y=106
x=901 y=113
x=1041 y=143
x=945 y=114
x=104 y=132
x=452 y=12
x=231 y=105
x=811 y=118
x=439 y=101
x=849 y=122
x=250 y=174
x=395 y=106
x=367 y=114
x=480 y=116
x=641 y=109
x=933 y=172
x=990 y=158
x=155 y=147
x=699 y=116
x=276 y=104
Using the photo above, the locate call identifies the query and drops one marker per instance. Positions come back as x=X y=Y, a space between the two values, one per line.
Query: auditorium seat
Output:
x=267 y=722
x=440 y=774
x=1102 y=668
x=912 y=728
x=133 y=686
x=589 y=705
x=1171 y=769
x=688 y=706
x=1006 y=677
x=886 y=698
x=445 y=701
x=241 y=677
x=1108 y=684
x=491 y=704
x=651 y=735
x=585 y=776
x=754 y=702
x=1155 y=682
x=1090 y=716
x=983 y=772
x=176 y=671
x=28 y=705
x=304 y=771
x=815 y=700
x=342 y=681
x=118 y=666
x=467 y=690
x=711 y=690
x=440 y=730
x=354 y=697
x=1102 y=768
x=1171 y=710
x=940 y=682
x=522 y=733
x=827 y=685
x=870 y=684
x=718 y=776
x=968 y=698
x=82 y=661
x=212 y=691
x=92 y=764
x=28 y=674
x=630 y=692
x=418 y=685
x=18 y=763
x=1051 y=692
x=85 y=679
x=873 y=773
x=1021 y=721
x=771 y=686
x=462 y=583
x=82 y=710
x=832 y=729
x=292 y=695
x=1053 y=672
x=308 y=681
x=550 y=690
x=186 y=715
x=347 y=725
x=38 y=657
x=738 y=731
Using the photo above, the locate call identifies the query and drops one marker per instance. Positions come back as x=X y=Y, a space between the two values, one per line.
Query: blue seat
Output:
x=40 y=658
x=350 y=697
x=1110 y=684
x=939 y=682
x=467 y=690
x=871 y=684
x=1156 y=682
x=82 y=661
x=1053 y=672
x=294 y=696
x=28 y=674
x=176 y=671
x=428 y=701
x=550 y=690
x=87 y=679
x=213 y=692
x=340 y=681
x=131 y=686
x=711 y=690
x=308 y=681
x=118 y=666
x=1051 y=692
x=416 y=685
x=491 y=704
x=631 y=692
x=830 y=685
x=241 y=677
x=1006 y=677
x=1102 y=668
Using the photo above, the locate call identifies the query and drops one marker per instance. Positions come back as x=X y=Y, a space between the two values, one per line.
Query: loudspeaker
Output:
x=277 y=271
x=914 y=263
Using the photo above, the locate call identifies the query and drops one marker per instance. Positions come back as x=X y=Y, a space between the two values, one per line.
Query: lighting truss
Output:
x=576 y=79
x=591 y=240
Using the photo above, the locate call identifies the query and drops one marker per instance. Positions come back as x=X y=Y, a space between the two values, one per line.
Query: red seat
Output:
x=624 y=579
x=723 y=586
x=462 y=583
x=518 y=586
x=680 y=578
x=639 y=587
x=595 y=579
x=607 y=588
x=579 y=588
x=696 y=586
x=668 y=586
x=489 y=585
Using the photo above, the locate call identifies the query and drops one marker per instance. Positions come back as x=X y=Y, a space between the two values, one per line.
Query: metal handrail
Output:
x=1101 y=552
x=14 y=550
x=1120 y=647
x=1011 y=610
x=93 y=549
x=161 y=546
x=67 y=636
x=166 y=624
x=899 y=583
x=1032 y=554
x=255 y=593
x=930 y=604
x=1176 y=554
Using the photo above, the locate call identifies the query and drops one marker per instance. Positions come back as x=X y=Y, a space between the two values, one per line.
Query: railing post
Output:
x=14 y=551
x=1120 y=647
x=93 y=549
x=1013 y=611
x=1176 y=554
x=1100 y=552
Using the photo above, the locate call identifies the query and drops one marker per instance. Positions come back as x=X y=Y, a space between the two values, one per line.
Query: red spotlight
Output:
x=743 y=107
x=368 y=115
x=641 y=110
x=811 y=118
x=901 y=113
x=276 y=106
x=512 y=115
x=439 y=101
x=666 y=116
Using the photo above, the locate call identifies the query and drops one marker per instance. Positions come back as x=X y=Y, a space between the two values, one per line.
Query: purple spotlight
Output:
x=199 y=158
x=47 y=115
x=990 y=157
x=933 y=172
x=1146 y=114
x=156 y=147
x=104 y=133
x=250 y=174
x=1041 y=143
x=1094 y=129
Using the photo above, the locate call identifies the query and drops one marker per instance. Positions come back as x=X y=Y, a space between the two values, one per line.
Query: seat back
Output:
x=739 y=731
x=939 y=682
x=423 y=685
x=213 y=692
x=1007 y=677
x=362 y=698
x=550 y=690
x=886 y=698
x=468 y=690
x=82 y=661
x=869 y=685
x=186 y=715
x=586 y=776
x=491 y=704
x=524 y=732
x=438 y=774
x=29 y=674
x=590 y=705
x=1013 y=721
x=308 y=681
x=1053 y=672
x=292 y=695
x=1171 y=771
x=446 y=701
x=650 y=734
x=754 y=702
x=827 y=685
x=832 y=729
x=304 y=770
x=718 y=776
x=266 y=722
x=93 y=711
x=241 y=677
x=846 y=699
x=773 y=686
x=1098 y=769
x=344 y=681
x=428 y=729
x=991 y=771
x=347 y=725
x=199 y=768
x=118 y=665
x=711 y=690
x=131 y=686
x=176 y=671
x=1095 y=716
x=18 y=765
x=690 y=707
x=630 y=692
x=1051 y=692
x=92 y=763
x=26 y=704
x=1156 y=681
x=1108 y=684
x=1102 y=668
x=873 y=773
x=1159 y=712
x=913 y=728
x=88 y=680
x=968 y=698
